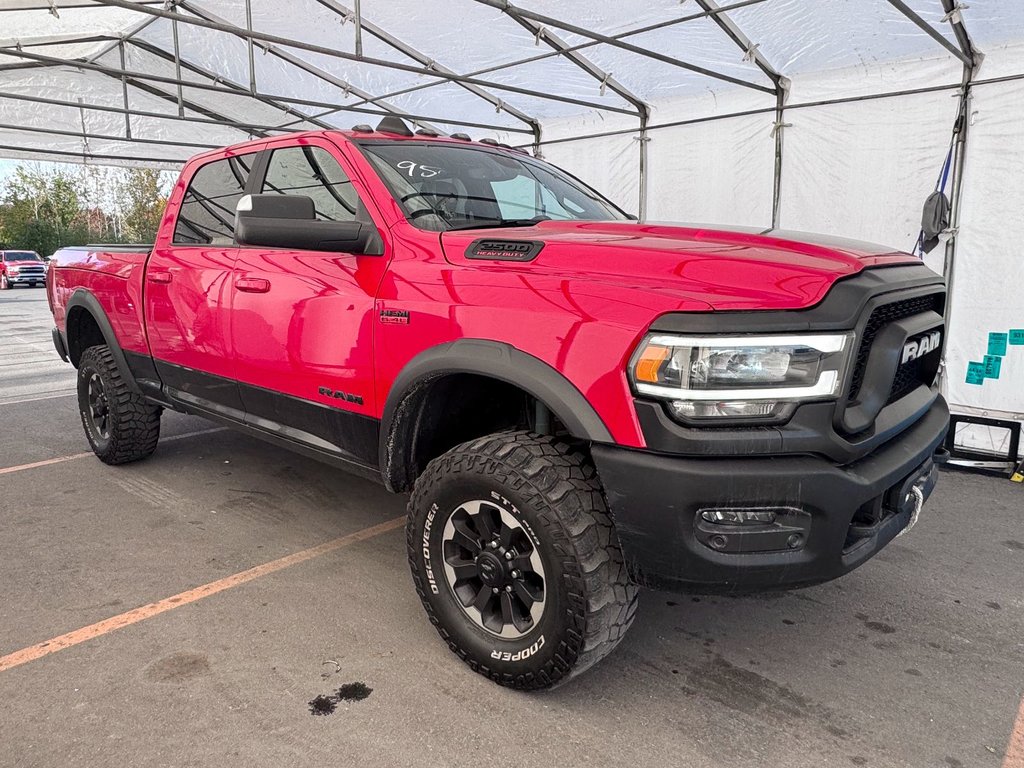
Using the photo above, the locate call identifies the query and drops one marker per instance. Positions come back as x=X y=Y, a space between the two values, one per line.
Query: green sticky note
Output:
x=992 y=365
x=1017 y=337
x=975 y=373
x=997 y=344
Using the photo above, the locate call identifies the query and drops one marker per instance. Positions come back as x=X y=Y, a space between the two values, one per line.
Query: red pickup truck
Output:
x=21 y=268
x=580 y=403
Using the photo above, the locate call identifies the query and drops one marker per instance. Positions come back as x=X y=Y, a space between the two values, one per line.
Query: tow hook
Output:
x=918 y=498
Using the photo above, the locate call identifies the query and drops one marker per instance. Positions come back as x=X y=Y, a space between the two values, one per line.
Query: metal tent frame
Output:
x=290 y=113
x=190 y=85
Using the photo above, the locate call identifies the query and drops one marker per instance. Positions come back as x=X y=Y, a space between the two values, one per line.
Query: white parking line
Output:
x=35 y=399
x=72 y=457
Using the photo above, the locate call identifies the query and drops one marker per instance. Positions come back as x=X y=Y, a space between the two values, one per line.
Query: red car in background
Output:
x=21 y=268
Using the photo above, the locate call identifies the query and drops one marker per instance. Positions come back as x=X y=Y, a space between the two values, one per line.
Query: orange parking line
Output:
x=144 y=612
x=45 y=463
x=1015 y=749
x=72 y=457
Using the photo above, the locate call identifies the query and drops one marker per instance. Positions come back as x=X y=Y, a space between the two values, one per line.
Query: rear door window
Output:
x=314 y=173
x=207 y=215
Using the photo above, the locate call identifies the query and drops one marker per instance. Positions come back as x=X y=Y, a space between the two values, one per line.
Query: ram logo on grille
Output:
x=921 y=346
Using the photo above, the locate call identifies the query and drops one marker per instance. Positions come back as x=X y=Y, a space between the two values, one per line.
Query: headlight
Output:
x=13 y=270
x=739 y=377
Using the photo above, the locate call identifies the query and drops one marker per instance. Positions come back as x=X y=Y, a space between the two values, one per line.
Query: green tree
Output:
x=141 y=198
x=40 y=207
x=43 y=209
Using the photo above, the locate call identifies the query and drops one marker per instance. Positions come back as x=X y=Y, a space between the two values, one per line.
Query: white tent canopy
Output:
x=829 y=115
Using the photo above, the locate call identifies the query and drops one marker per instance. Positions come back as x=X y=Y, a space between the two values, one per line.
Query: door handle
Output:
x=159 y=277
x=252 y=285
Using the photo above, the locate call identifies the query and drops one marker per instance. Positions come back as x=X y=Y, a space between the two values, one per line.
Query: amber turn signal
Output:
x=649 y=362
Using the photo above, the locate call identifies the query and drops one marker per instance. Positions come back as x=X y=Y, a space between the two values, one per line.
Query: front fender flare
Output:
x=486 y=358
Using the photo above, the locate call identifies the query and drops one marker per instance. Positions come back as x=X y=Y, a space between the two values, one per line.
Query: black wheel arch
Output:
x=481 y=357
x=83 y=300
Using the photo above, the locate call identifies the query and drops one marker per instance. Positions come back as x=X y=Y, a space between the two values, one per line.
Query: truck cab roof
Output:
x=385 y=131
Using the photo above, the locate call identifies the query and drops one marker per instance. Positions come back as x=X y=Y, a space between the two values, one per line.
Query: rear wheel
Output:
x=516 y=561
x=121 y=425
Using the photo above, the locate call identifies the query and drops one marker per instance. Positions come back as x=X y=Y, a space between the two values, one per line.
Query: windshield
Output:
x=444 y=187
x=21 y=256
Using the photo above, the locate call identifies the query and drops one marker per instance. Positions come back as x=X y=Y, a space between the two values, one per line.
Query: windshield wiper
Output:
x=496 y=223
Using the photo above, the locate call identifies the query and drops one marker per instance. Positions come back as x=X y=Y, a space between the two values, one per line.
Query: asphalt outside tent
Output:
x=825 y=115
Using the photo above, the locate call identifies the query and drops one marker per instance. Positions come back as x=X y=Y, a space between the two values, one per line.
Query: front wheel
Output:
x=120 y=424
x=515 y=558
x=4 y=283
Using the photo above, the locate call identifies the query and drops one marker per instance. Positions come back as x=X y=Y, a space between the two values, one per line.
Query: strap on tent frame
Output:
x=940 y=183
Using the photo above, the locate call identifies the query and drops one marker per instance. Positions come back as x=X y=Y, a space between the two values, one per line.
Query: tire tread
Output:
x=549 y=476
x=136 y=429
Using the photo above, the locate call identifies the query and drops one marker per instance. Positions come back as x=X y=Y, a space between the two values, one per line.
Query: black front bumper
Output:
x=831 y=517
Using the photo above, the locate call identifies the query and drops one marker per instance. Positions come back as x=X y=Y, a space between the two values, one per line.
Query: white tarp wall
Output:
x=669 y=106
x=862 y=166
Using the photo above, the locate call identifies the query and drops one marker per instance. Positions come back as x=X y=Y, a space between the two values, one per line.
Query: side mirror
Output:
x=289 y=221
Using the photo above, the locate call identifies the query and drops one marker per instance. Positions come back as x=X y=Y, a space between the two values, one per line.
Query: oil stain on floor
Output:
x=178 y=667
x=325 y=705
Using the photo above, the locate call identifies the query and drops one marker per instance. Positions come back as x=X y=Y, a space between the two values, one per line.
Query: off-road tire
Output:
x=556 y=491
x=134 y=424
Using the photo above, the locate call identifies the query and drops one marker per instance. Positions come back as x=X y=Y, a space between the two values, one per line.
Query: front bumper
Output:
x=32 y=279
x=840 y=515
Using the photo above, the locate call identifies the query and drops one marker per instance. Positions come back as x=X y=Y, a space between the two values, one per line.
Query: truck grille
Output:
x=32 y=272
x=909 y=375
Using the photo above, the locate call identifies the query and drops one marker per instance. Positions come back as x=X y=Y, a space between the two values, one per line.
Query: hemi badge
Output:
x=395 y=316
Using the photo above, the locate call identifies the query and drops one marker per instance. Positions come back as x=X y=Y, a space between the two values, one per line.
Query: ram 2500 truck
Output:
x=580 y=403
x=21 y=268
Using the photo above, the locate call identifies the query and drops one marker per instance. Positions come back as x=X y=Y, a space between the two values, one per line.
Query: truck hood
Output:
x=731 y=268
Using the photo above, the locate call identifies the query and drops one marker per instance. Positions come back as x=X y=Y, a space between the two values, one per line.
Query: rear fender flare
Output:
x=83 y=300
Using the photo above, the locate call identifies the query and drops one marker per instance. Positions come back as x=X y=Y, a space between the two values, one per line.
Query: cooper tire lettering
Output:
x=506 y=523
x=522 y=655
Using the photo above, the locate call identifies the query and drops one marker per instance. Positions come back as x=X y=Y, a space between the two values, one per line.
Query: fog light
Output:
x=739 y=515
x=730 y=409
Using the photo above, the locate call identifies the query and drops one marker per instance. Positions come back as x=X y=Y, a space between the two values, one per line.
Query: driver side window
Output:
x=313 y=172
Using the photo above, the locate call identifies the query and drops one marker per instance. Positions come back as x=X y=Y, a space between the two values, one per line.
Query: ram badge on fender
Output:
x=579 y=403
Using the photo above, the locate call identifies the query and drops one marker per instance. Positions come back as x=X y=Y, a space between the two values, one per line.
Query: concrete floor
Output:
x=917 y=659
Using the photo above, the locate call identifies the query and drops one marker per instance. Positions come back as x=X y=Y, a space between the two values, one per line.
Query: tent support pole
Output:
x=963 y=121
x=644 y=141
x=931 y=31
x=177 y=66
x=252 y=53
x=106 y=136
x=124 y=94
x=224 y=122
x=580 y=46
x=521 y=14
x=345 y=56
x=359 y=29
x=278 y=101
x=416 y=55
x=780 y=116
x=78 y=156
